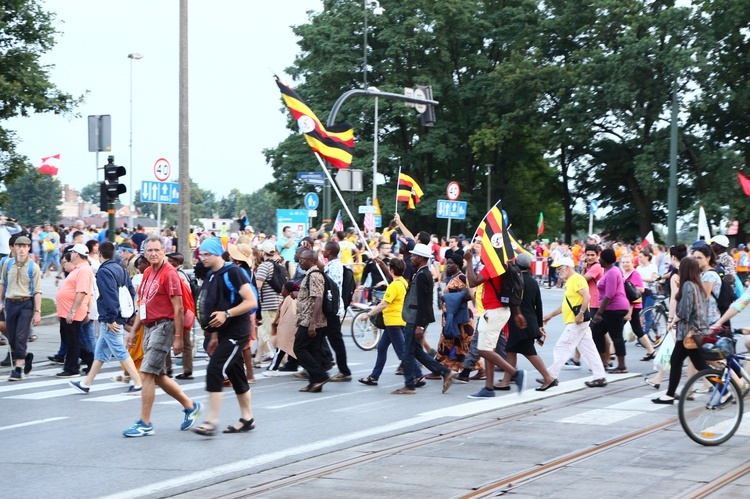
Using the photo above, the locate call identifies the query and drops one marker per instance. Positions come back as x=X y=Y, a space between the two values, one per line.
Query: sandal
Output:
x=403 y=391
x=246 y=426
x=368 y=381
x=648 y=357
x=618 y=370
x=206 y=429
x=187 y=375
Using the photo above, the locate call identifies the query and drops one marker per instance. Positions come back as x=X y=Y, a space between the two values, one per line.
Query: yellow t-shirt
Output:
x=394 y=295
x=573 y=286
x=346 y=251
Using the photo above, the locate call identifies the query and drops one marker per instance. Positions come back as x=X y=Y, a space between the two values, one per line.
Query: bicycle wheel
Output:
x=710 y=411
x=364 y=334
x=656 y=320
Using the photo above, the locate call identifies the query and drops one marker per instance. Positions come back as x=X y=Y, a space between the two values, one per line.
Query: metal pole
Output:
x=591 y=221
x=183 y=229
x=364 y=66
x=375 y=156
x=489 y=189
x=158 y=218
x=130 y=164
x=672 y=193
x=397 y=179
x=448 y=236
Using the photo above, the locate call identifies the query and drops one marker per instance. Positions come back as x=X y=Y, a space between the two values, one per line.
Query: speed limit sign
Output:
x=162 y=170
x=453 y=191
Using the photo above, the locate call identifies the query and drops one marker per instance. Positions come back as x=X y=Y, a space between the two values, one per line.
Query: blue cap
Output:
x=741 y=246
x=700 y=242
x=212 y=245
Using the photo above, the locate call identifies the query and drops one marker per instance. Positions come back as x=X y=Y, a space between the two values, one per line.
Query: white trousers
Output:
x=576 y=336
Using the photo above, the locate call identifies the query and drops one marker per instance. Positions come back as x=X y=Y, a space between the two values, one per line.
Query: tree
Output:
x=26 y=33
x=33 y=198
x=91 y=193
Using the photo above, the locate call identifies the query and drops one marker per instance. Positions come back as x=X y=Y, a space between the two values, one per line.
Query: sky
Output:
x=234 y=47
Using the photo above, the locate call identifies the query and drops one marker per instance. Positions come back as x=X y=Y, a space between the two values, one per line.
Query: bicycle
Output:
x=364 y=333
x=657 y=313
x=711 y=404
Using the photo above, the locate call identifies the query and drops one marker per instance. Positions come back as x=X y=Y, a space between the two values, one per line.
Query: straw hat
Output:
x=241 y=252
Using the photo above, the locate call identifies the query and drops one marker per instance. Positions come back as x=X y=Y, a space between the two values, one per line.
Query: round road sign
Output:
x=311 y=200
x=419 y=94
x=453 y=191
x=162 y=170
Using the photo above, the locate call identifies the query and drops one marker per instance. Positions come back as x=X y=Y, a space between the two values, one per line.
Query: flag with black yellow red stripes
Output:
x=499 y=244
x=409 y=191
x=334 y=144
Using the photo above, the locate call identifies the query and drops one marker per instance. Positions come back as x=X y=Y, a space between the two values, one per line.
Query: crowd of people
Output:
x=277 y=304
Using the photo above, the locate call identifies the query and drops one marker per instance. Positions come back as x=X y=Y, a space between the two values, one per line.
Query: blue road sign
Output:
x=160 y=192
x=451 y=209
x=312 y=178
x=297 y=219
x=311 y=201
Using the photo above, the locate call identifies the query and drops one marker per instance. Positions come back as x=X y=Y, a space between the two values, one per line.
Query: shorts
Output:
x=110 y=344
x=523 y=347
x=157 y=343
x=265 y=329
x=493 y=321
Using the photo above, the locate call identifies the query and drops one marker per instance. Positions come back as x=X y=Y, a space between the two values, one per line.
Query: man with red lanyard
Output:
x=161 y=313
x=493 y=321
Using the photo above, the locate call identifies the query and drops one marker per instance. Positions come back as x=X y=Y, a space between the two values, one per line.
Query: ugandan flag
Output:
x=409 y=191
x=499 y=244
x=334 y=144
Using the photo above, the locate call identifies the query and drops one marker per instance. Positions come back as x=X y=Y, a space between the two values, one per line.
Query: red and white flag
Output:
x=338 y=225
x=50 y=165
x=369 y=222
x=649 y=239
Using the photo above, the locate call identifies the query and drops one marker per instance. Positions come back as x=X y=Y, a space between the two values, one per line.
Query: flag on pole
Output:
x=745 y=183
x=409 y=191
x=649 y=239
x=339 y=223
x=50 y=165
x=334 y=144
x=497 y=248
x=703 y=231
x=540 y=224
x=369 y=222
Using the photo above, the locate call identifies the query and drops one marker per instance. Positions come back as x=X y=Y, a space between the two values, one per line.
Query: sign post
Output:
x=450 y=210
x=162 y=171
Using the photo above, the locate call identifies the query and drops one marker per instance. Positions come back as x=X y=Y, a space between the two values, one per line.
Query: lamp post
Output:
x=133 y=57
x=377 y=11
x=375 y=150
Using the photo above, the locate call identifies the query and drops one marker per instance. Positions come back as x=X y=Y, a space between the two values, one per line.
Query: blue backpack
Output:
x=7 y=263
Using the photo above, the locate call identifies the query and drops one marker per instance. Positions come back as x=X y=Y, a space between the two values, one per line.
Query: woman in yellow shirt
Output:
x=391 y=305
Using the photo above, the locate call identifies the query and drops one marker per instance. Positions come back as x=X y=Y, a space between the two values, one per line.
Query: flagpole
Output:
x=480 y=223
x=348 y=212
x=397 y=181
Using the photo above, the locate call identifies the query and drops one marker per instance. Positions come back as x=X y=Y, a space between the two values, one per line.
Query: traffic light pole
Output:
x=332 y=120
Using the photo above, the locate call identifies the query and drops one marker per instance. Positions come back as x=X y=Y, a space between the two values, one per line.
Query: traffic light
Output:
x=427 y=118
x=110 y=189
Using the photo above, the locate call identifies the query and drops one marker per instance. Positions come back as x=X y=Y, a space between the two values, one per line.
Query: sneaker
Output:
x=139 y=429
x=14 y=376
x=191 y=416
x=339 y=376
x=484 y=393
x=519 y=379
x=133 y=390
x=597 y=383
x=79 y=386
x=271 y=374
x=572 y=364
x=27 y=363
x=66 y=374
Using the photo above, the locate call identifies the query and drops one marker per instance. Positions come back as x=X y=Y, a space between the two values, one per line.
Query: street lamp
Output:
x=375 y=149
x=133 y=57
x=377 y=12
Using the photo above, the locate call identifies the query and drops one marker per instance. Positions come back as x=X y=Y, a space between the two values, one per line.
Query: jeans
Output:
x=110 y=344
x=18 y=316
x=51 y=257
x=648 y=301
x=413 y=350
x=88 y=337
x=393 y=335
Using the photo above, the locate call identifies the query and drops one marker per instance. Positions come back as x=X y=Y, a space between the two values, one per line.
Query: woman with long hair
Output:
x=629 y=274
x=710 y=279
x=689 y=315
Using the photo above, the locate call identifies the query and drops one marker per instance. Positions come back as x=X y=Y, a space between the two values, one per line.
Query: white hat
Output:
x=565 y=261
x=81 y=249
x=721 y=240
x=596 y=238
x=268 y=247
x=421 y=250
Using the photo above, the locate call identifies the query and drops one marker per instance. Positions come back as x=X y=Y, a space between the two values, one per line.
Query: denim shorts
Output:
x=110 y=344
x=157 y=343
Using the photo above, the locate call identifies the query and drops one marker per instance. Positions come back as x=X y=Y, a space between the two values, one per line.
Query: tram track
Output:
x=715 y=487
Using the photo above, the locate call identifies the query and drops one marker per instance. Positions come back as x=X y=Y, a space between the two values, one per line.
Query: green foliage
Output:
x=26 y=33
x=91 y=193
x=33 y=198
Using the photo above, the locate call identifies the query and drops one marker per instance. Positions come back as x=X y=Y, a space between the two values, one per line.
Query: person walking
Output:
x=613 y=307
x=110 y=278
x=21 y=301
x=576 y=317
x=229 y=332
x=335 y=270
x=161 y=314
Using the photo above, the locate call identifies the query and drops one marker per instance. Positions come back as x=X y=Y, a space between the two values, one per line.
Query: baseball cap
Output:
x=22 y=240
x=176 y=255
x=81 y=249
x=565 y=261
x=700 y=242
x=421 y=250
x=523 y=260
x=741 y=246
x=268 y=248
x=721 y=240
x=596 y=238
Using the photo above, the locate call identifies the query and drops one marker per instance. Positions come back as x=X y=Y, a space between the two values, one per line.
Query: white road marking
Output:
x=30 y=423
x=600 y=417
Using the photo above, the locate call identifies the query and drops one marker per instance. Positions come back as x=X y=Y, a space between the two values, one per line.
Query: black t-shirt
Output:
x=237 y=326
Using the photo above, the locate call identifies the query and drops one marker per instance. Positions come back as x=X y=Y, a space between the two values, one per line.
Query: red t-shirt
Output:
x=596 y=271
x=492 y=286
x=156 y=292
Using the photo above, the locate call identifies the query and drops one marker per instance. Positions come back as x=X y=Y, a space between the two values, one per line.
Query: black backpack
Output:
x=331 y=296
x=212 y=297
x=348 y=286
x=279 y=277
x=511 y=292
x=726 y=293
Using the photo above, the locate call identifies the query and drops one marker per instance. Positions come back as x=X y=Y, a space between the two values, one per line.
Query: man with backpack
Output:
x=269 y=279
x=189 y=293
x=335 y=270
x=226 y=301
x=114 y=312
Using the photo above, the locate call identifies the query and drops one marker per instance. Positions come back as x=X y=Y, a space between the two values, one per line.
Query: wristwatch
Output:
x=228 y=314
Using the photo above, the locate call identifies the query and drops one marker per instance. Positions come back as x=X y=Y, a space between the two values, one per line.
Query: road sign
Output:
x=312 y=178
x=160 y=192
x=453 y=191
x=378 y=220
x=311 y=200
x=451 y=209
x=419 y=94
x=298 y=220
x=312 y=213
x=368 y=209
x=162 y=170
